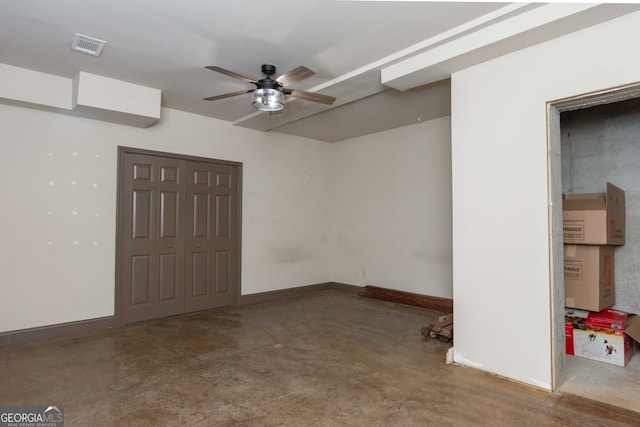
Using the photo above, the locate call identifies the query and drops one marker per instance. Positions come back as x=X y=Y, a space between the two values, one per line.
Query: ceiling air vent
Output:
x=88 y=45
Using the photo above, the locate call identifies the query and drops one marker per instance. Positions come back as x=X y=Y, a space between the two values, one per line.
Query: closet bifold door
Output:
x=152 y=236
x=211 y=246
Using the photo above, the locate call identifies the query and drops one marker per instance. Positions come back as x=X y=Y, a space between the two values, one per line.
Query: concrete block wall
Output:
x=601 y=144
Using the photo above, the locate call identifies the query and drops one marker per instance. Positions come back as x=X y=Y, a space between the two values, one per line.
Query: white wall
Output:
x=500 y=209
x=58 y=186
x=391 y=209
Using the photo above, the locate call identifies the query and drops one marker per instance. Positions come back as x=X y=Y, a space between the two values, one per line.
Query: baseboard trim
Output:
x=344 y=287
x=402 y=297
x=83 y=327
x=52 y=332
x=295 y=292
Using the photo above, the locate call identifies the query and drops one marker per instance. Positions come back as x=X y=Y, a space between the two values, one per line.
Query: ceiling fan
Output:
x=269 y=93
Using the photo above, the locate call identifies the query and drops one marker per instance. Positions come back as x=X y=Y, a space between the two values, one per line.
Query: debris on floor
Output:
x=443 y=330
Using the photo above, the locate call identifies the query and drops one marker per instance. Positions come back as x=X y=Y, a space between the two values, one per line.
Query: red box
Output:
x=568 y=337
x=574 y=319
x=609 y=336
x=608 y=319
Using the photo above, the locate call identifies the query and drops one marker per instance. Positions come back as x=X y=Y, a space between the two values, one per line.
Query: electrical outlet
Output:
x=364 y=273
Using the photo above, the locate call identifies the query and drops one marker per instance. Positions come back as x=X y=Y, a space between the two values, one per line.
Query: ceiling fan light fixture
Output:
x=267 y=99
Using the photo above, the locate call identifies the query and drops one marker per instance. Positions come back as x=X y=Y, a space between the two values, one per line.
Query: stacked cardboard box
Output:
x=592 y=225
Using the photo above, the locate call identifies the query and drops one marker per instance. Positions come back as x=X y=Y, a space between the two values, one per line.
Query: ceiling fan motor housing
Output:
x=268 y=69
x=268 y=82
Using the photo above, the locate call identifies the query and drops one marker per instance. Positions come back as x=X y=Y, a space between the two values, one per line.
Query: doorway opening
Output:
x=571 y=374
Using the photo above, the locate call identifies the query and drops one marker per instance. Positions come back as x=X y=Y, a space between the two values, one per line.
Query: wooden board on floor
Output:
x=402 y=297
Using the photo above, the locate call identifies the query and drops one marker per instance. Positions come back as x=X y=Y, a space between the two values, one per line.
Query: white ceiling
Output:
x=165 y=44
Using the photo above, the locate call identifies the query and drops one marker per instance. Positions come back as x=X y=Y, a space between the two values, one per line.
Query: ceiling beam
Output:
x=508 y=33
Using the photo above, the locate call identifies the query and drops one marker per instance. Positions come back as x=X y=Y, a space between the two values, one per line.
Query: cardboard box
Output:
x=589 y=281
x=595 y=218
x=609 y=336
x=573 y=319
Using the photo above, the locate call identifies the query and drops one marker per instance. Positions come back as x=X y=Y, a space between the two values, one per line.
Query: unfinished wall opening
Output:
x=595 y=138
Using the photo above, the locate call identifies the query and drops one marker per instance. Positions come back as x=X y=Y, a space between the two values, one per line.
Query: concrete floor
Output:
x=616 y=385
x=326 y=359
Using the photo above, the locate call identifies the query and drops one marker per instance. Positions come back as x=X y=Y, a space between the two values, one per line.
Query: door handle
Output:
x=170 y=246
x=198 y=245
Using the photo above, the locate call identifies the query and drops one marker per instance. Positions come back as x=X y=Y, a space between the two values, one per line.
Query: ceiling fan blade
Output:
x=228 y=95
x=231 y=74
x=313 y=97
x=295 y=75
